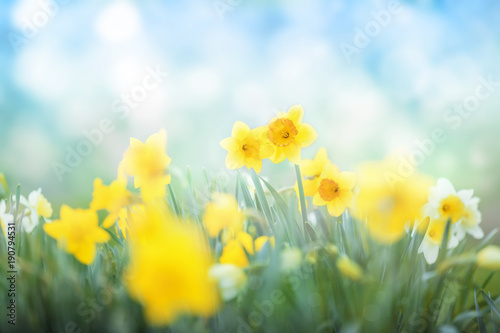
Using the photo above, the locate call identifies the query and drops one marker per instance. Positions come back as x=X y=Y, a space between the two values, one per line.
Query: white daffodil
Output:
x=36 y=205
x=433 y=239
x=230 y=278
x=470 y=222
x=445 y=202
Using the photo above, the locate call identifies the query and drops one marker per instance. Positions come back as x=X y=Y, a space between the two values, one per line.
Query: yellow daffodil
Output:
x=169 y=268
x=311 y=171
x=489 y=257
x=148 y=162
x=223 y=213
x=78 y=231
x=289 y=135
x=234 y=251
x=246 y=147
x=349 y=268
x=112 y=198
x=335 y=189
x=389 y=201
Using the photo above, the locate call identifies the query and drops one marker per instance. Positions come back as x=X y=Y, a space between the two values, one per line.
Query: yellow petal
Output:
x=306 y=136
x=335 y=207
x=229 y=144
x=254 y=163
x=247 y=241
x=240 y=130
x=321 y=157
x=85 y=253
x=235 y=160
x=347 y=197
x=347 y=180
x=261 y=241
x=318 y=200
x=278 y=156
x=292 y=152
x=310 y=186
x=99 y=235
x=331 y=172
x=295 y=114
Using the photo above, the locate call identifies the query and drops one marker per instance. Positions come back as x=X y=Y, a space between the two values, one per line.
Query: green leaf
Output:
x=480 y=322
x=491 y=303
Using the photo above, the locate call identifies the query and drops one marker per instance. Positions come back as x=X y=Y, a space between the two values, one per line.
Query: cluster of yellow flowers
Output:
x=174 y=252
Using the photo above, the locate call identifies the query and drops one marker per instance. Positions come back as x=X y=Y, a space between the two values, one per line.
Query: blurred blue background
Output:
x=374 y=77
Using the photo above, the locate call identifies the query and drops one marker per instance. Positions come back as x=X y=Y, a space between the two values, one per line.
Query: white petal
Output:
x=476 y=232
x=431 y=254
x=459 y=233
x=473 y=202
x=33 y=197
x=23 y=201
x=452 y=242
x=445 y=187
x=465 y=196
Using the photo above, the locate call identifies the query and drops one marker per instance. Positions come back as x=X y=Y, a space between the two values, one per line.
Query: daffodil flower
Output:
x=78 y=231
x=223 y=213
x=168 y=272
x=469 y=223
x=36 y=205
x=335 y=189
x=434 y=238
x=246 y=147
x=289 y=135
x=112 y=198
x=388 y=202
x=446 y=202
x=234 y=251
x=311 y=171
x=147 y=163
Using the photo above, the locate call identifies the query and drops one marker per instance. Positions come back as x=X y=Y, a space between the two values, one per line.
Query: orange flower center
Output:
x=328 y=189
x=282 y=132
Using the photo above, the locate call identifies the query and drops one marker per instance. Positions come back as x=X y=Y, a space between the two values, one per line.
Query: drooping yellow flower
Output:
x=169 y=269
x=78 y=231
x=112 y=198
x=388 y=200
x=223 y=213
x=148 y=162
x=311 y=171
x=234 y=251
x=489 y=257
x=335 y=189
x=246 y=147
x=289 y=135
x=349 y=268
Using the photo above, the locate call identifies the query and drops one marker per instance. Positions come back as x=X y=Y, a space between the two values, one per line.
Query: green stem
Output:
x=302 y=197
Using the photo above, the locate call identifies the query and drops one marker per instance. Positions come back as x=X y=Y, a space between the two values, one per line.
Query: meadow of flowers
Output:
x=375 y=250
